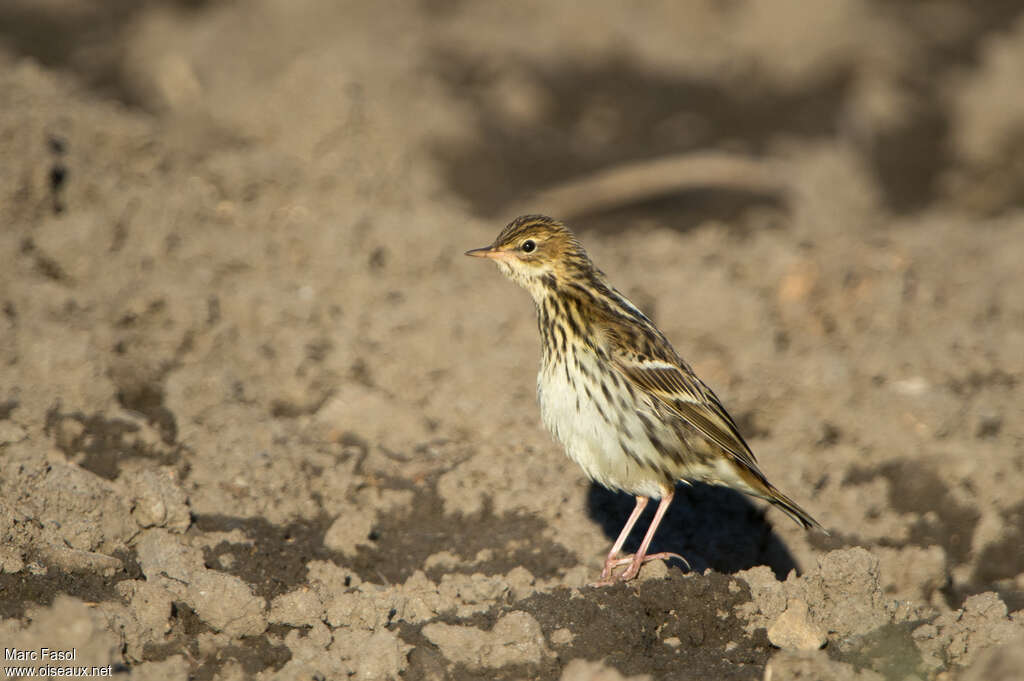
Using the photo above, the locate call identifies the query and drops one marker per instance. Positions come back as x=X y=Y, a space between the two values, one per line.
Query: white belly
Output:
x=596 y=433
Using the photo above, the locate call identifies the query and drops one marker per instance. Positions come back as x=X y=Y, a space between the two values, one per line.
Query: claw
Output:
x=611 y=563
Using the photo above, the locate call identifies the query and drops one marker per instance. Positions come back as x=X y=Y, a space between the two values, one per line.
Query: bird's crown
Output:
x=531 y=226
x=551 y=239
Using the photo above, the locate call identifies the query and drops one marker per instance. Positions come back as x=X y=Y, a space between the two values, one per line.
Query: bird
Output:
x=615 y=393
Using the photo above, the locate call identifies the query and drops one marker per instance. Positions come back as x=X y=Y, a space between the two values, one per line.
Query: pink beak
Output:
x=489 y=252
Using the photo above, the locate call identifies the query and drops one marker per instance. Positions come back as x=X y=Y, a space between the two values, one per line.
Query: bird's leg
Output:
x=641 y=556
x=613 y=560
x=610 y=562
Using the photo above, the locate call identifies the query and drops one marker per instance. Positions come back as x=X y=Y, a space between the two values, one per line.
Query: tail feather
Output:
x=753 y=482
x=792 y=509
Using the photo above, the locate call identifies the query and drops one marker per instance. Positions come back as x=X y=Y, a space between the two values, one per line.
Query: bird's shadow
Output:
x=712 y=527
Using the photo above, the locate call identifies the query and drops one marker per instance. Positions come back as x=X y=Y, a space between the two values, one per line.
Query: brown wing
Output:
x=662 y=375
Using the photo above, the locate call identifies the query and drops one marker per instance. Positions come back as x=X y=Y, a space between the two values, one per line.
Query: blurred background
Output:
x=922 y=94
x=231 y=248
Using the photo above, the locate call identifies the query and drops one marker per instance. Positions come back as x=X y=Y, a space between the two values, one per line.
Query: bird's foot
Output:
x=634 y=562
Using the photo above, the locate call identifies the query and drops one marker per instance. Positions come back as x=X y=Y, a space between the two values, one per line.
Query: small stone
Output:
x=562 y=637
x=521 y=582
x=794 y=630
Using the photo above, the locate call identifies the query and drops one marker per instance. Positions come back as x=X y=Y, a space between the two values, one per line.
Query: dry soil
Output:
x=260 y=418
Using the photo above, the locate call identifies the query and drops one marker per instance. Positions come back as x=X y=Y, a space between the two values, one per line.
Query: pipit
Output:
x=626 y=407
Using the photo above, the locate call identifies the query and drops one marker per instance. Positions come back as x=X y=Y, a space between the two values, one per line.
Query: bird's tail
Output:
x=756 y=484
x=791 y=508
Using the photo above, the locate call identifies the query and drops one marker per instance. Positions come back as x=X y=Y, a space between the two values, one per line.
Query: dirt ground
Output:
x=260 y=418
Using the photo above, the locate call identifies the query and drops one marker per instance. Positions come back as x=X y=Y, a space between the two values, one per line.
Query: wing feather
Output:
x=668 y=381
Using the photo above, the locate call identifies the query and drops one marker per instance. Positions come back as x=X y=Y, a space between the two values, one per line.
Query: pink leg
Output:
x=641 y=556
x=610 y=562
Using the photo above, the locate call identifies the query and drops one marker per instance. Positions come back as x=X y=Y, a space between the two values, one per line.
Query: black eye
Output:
x=528 y=246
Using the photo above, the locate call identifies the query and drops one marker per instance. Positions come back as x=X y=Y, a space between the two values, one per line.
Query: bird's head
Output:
x=538 y=253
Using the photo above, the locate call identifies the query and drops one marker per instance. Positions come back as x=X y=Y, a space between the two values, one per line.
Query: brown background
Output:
x=259 y=417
